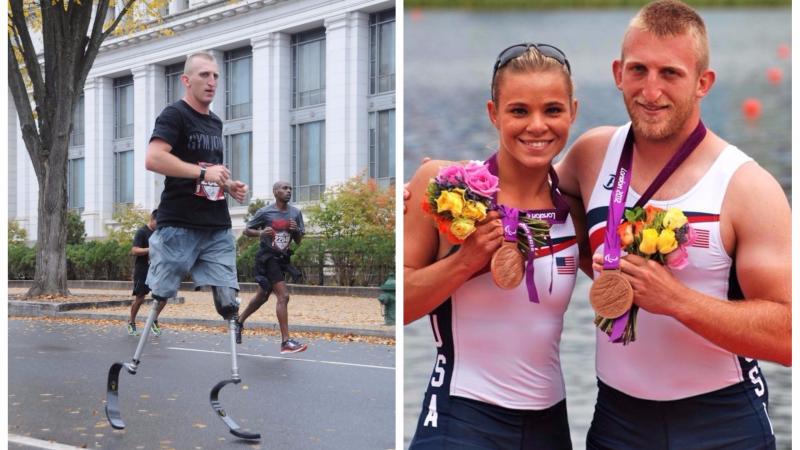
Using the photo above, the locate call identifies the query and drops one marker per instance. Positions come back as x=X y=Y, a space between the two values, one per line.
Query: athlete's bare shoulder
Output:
x=578 y=170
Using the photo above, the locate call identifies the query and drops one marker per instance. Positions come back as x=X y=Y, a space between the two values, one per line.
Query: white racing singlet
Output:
x=668 y=361
x=498 y=347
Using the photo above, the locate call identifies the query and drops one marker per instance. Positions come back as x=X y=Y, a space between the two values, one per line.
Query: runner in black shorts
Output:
x=277 y=225
x=141 y=249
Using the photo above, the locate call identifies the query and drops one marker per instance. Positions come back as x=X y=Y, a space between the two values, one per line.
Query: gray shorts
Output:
x=209 y=255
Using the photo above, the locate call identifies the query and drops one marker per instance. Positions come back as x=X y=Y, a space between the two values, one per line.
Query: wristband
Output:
x=202 y=173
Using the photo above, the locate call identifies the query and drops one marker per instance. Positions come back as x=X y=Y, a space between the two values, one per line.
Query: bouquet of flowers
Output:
x=652 y=233
x=458 y=197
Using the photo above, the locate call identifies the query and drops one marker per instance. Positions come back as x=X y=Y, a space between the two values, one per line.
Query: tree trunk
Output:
x=50 y=277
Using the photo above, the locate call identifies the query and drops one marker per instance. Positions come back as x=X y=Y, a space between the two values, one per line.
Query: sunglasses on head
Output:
x=516 y=50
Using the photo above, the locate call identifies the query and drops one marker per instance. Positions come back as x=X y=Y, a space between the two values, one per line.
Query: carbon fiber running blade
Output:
x=232 y=425
x=112 y=397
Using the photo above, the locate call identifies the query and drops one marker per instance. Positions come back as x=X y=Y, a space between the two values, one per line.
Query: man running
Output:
x=277 y=225
x=141 y=250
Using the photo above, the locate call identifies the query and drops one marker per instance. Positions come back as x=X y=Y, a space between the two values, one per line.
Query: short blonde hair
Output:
x=531 y=61
x=188 y=66
x=666 y=18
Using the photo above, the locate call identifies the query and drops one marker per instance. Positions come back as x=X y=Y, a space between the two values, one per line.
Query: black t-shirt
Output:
x=140 y=239
x=195 y=138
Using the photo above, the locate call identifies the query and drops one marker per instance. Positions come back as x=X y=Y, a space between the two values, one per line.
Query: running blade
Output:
x=112 y=397
x=232 y=425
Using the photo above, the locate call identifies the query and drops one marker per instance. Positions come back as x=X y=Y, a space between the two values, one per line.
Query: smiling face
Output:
x=532 y=114
x=661 y=83
x=200 y=80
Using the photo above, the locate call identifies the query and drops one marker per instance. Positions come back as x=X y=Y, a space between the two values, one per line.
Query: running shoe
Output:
x=155 y=328
x=292 y=346
x=239 y=328
x=132 y=329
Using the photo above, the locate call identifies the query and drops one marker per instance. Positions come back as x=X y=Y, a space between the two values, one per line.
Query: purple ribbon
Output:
x=619 y=193
x=533 y=295
x=511 y=222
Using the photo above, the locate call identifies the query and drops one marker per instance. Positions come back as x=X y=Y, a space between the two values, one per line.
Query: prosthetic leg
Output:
x=227 y=306
x=112 y=387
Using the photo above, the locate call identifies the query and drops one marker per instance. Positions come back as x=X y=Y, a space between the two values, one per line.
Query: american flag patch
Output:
x=702 y=238
x=566 y=265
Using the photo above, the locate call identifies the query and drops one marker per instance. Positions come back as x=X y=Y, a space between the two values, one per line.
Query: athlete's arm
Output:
x=159 y=159
x=757 y=220
x=578 y=216
x=428 y=282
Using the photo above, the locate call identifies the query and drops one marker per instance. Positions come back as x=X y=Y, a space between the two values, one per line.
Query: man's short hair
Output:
x=187 y=67
x=154 y=213
x=279 y=183
x=666 y=18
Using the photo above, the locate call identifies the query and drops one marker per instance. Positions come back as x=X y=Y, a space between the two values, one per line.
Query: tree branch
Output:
x=118 y=19
x=30 y=133
x=28 y=51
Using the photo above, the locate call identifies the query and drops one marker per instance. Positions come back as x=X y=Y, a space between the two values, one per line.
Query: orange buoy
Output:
x=416 y=14
x=775 y=75
x=751 y=108
x=784 y=51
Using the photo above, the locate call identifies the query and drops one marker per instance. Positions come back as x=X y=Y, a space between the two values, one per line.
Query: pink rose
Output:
x=678 y=259
x=452 y=175
x=479 y=180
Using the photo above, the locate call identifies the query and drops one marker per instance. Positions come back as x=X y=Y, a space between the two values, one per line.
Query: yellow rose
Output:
x=674 y=219
x=649 y=238
x=450 y=201
x=474 y=210
x=462 y=228
x=666 y=242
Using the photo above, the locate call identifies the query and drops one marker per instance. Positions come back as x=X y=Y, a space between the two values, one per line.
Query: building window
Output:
x=381 y=147
x=381 y=52
x=308 y=68
x=174 y=86
x=75 y=177
x=76 y=138
x=308 y=155
x=123 y=177
x=239 y=159
x=238 y=83
x=123 y=107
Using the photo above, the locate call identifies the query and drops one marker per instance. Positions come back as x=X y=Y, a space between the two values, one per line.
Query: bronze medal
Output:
x=611 y=294
x=508 y=266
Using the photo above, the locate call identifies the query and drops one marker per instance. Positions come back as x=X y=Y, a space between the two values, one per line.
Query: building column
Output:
x=148 y=89
x=99 y=158
x=346 y=89
x=27 y=188
x=272 y=141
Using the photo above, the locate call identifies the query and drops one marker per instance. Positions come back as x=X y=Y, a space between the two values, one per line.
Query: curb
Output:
x=389 y=333
x=17 y=308
x=299 y=289
x=29 y=308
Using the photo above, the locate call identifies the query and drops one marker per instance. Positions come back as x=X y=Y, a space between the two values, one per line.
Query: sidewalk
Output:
x=307 y=313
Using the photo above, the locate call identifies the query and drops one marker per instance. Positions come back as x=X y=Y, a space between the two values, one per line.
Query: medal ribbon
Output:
x=510 y=220
x=619 y=193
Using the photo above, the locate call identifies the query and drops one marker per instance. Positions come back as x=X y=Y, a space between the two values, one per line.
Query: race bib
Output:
x=207 y=189
x=282 y=240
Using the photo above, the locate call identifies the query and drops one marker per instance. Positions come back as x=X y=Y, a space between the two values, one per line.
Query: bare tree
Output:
x=72 y=32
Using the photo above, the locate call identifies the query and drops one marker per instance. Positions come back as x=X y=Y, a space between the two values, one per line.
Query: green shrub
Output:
x=76 y=230
x=245 y=260
x=21 y=261
x=356 y=222
x=99 y=260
